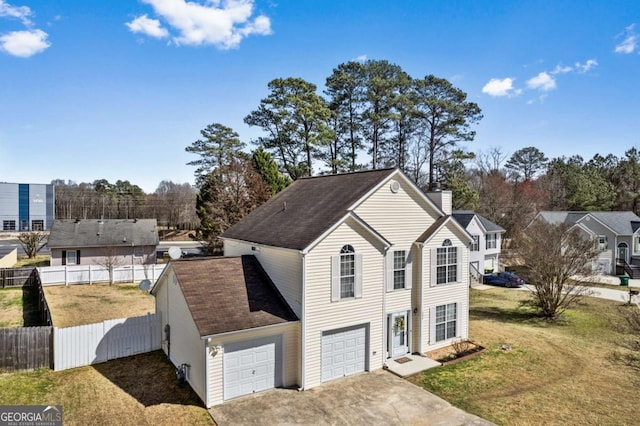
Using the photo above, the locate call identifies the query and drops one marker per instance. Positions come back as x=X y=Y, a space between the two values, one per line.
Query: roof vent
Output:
x=394 y=186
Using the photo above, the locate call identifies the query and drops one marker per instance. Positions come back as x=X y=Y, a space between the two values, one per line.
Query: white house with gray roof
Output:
x=616 y=234
x=484 y=252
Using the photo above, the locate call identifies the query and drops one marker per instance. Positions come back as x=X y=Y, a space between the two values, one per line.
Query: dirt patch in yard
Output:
x=87 y=304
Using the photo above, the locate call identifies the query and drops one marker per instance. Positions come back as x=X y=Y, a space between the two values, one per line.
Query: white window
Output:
x=475 y=245
x=446 y=263
x=491 y=241
x=399 y=269
x=72 y=257
x=636 y=248
x=603 y=244
x=446 y=321
x=37 y=225
x=24 y=225
x=347 y=272
x=8 y=225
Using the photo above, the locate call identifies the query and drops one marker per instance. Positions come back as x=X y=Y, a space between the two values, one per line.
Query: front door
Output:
x=398 y=336
x=623 y=251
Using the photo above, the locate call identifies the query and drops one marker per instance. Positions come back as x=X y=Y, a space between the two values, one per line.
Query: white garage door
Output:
x=343 y=352
x=252 y=366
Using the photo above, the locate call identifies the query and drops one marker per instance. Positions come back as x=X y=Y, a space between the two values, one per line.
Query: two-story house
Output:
x=616 y=234
x=484 y=252
x=333 y=276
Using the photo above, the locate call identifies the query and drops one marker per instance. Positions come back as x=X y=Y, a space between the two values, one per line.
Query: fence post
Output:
x=90 y=281
x=66 y=280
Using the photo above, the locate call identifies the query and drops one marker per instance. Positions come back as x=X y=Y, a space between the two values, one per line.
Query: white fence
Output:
x=90 y=274
x=100 y=342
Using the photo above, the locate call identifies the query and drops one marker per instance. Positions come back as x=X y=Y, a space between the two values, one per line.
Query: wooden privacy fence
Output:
x=90 y=274
x=16 y=277
x=100 y=342
x=26 y=348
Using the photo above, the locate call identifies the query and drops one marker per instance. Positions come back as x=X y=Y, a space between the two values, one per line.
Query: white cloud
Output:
x=221 y=23
x=542 y=81
x=559 y=69
x=151 y=27
x=630 y=42
x=587 y=65
x=19 y=12
x=500 y=87
x=24 y=43
x=361 y=58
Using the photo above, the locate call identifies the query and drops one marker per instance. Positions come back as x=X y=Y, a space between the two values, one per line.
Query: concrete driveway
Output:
x=377 y=398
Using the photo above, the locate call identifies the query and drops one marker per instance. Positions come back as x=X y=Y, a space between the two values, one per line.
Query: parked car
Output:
x=503 y=279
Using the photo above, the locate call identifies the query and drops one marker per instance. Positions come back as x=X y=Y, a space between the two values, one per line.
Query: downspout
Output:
x=303 y=323
x=385 y=322
x=421 y=299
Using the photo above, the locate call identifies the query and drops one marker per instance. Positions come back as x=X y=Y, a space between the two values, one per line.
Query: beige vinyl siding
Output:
x=444 y=293
x=283 y=266
x=400 y=300
x=322 y=314
x=399 y=217
x=290 y=333
x=186 y=346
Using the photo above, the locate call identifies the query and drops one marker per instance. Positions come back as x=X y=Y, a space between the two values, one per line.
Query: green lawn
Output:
x=18 y=307
x=39 y=260
x=554 y=373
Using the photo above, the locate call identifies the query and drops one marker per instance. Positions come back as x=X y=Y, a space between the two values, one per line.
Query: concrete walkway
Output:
x=377 y=398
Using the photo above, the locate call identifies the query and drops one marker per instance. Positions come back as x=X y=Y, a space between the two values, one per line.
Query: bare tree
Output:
x=110 y=260
x=629 y=351
x=554 y=255
x=32 y=242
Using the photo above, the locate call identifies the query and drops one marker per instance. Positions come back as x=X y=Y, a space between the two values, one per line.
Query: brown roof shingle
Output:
x=302 y=212
x=229 y=294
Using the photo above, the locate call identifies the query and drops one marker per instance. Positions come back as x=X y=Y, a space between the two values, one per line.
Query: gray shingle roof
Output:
x=302 y=212
x=622 y=223
x=464 y=217
x=229 y=294
x=98 y=233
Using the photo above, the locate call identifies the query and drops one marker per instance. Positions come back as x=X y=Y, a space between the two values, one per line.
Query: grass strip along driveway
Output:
x=539 y=372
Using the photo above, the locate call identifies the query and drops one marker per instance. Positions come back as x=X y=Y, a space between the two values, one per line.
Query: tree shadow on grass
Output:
x=30 y=309
x=520 y=315
x=149 y=378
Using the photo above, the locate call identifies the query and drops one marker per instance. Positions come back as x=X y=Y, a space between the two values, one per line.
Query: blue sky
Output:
x=118 y=89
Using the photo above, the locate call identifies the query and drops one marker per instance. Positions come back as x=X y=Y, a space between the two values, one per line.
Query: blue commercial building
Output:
x=26 y=207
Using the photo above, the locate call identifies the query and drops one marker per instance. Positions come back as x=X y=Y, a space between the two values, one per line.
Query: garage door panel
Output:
x=252 y=366
x=343 y=352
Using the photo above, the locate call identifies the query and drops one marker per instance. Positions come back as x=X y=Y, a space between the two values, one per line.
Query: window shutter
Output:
x=357 y=288
x=432 y=279
x=432 y=325
x=408 y=274
x=388 y=265
x=78 y=257
x=64 y=257
x=459 y=265
x=335 y=278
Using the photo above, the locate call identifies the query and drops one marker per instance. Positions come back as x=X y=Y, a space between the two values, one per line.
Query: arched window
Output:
x=347 y=271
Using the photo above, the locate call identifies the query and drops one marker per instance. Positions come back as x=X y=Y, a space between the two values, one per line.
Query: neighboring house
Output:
x=484 y=251
x=371 y=268
x=26 y=207
x=615 y=233
x=115 y=242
